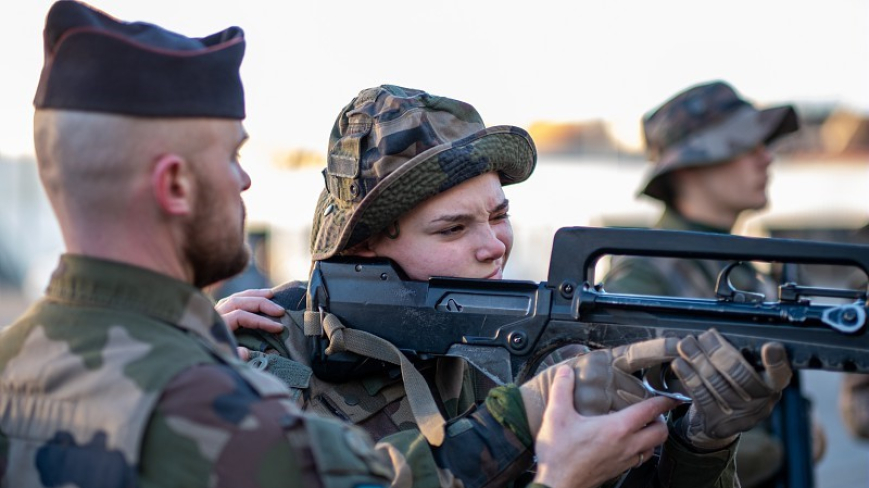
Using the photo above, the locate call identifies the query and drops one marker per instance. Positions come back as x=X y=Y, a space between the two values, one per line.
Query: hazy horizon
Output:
x=517 y=64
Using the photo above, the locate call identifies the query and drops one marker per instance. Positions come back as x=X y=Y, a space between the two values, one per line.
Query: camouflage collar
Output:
x=673 y=220
x=87 y=281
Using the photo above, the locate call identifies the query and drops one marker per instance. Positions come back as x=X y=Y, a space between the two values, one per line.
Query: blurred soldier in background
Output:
x=418 y=179
x=711 y=153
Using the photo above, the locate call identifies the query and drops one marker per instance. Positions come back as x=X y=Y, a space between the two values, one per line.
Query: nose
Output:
x=491 y=248
x=764 y=156
x=245 y=179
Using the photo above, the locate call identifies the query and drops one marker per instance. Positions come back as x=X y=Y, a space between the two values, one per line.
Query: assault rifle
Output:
x=505 y=328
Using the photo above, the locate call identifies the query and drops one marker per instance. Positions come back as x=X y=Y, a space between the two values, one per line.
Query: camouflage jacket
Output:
x=679 y=277
x=121 y=377
x=495 y=448
x=760 y=454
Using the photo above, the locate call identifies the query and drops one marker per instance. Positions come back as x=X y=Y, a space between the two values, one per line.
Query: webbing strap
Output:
x=311 y=324
x=429 y=419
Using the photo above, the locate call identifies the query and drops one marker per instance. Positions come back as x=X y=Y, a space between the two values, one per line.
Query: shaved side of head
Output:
x=90 y=163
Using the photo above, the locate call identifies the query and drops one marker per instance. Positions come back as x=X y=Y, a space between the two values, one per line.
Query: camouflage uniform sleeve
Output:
x=212 y=429
x=680 y=467
x=854 y=404
x=489 y=445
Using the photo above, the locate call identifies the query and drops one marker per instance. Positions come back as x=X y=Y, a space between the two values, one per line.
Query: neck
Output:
x=702 y=212
x=139 y=247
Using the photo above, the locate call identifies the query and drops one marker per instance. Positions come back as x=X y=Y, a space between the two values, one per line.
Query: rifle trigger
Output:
x=655 y=382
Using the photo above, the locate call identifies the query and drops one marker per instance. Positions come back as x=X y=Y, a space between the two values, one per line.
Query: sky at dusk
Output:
x=517 y=62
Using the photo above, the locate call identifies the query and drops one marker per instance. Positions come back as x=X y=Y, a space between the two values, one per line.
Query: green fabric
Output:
x=417 y=452
x=681 y=467
x=673 y=220
x=105 y=341
x=292 y=373
x=506 y=406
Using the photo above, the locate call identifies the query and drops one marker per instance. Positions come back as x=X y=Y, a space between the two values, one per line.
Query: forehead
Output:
x=481 y=193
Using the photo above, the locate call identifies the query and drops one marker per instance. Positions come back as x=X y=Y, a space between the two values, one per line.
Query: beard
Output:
x=214 y=250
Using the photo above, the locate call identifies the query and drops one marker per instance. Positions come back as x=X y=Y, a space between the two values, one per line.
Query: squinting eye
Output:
x=503 y=216
x=451 y=230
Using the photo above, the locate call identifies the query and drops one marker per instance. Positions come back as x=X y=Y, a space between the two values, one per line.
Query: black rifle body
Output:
x=506 y=327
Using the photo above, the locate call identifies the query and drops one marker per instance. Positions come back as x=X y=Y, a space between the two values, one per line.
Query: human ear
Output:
x=172 y=183
x=363 y=249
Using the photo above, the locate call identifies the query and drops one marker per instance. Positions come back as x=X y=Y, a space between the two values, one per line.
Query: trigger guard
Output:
x=655 y=381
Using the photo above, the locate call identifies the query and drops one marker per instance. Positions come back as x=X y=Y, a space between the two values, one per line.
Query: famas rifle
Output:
x=505 y=328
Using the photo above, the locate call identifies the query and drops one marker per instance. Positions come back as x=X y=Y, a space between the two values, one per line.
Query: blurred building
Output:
x=585 y=176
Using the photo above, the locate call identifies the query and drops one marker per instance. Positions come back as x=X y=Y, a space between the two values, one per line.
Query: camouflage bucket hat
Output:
x=392 y=148
x=705 y=125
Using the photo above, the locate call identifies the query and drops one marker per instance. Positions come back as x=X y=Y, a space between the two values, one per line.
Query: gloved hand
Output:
x=729 y=395
x=604 y=380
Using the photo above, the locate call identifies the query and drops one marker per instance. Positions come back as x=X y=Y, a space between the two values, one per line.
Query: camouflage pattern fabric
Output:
x=483 y=447
x=680 y=277
x=760 y=455
x=124 y=377
x=392 y=148
x=705 y=125
x=477 y=450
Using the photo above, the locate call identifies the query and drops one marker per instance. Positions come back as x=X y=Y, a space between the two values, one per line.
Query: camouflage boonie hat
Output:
x=392 y=148
x=705 y=125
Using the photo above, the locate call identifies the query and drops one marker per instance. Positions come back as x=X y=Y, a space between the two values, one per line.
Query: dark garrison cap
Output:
x=96 y=63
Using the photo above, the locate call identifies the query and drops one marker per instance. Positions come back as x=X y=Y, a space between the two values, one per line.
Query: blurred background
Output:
x=577 y=75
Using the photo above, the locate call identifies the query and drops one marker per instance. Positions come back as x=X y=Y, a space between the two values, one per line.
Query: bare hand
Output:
x=578 y=451
x=244 y=309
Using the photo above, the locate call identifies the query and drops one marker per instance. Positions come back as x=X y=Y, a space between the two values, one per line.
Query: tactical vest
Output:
x=378 y=402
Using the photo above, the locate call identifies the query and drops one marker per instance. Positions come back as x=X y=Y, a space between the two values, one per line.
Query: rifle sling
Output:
x=429 y=419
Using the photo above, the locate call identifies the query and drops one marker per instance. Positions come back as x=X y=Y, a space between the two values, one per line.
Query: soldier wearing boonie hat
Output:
x=709 y=147
x=123 y=374
x=392 y=148
x=395 y=155
x=707 y=125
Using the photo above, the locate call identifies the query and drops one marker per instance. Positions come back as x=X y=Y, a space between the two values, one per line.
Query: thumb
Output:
x=777 y=371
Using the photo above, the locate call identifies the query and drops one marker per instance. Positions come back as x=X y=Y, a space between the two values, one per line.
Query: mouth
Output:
x=494 y=275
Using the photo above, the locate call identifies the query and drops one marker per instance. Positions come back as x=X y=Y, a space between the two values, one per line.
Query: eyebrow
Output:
x=466 y=217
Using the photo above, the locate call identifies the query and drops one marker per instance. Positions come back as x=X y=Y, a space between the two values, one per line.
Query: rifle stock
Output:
x=507 y=327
